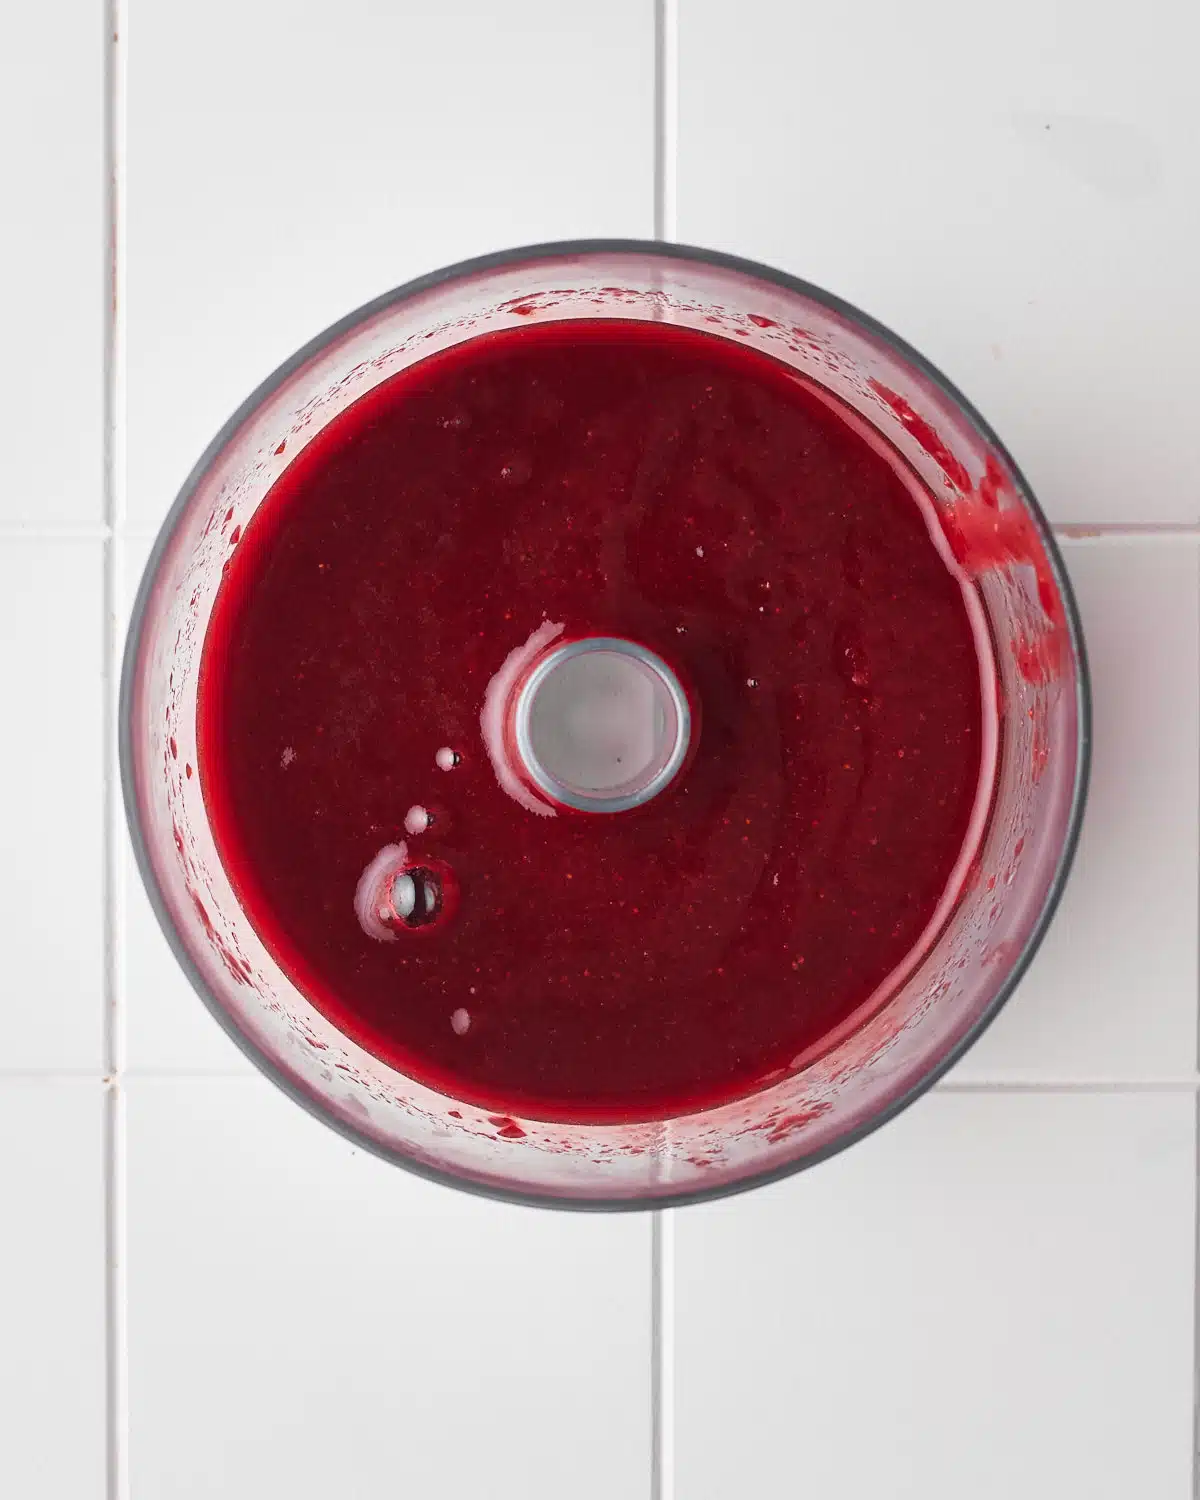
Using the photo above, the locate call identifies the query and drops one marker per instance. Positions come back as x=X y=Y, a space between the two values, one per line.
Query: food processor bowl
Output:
x=894 y=1048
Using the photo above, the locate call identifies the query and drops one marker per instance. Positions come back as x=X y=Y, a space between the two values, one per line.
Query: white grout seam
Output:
x=1196 y=1319
x=662 y=1340
x=15 y=532
x=116 y=1323
x=116 y=1320
x=1183 y=1083
x=1196 y=1288
x=666 y=119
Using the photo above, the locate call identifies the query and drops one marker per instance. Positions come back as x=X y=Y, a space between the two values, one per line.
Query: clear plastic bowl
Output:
x=917 y=1031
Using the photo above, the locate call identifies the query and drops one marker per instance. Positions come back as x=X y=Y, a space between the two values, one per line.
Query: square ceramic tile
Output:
x=306 y=1320
x=54 y=264
x=992 y=1297
x=296 y=168
x=1112 y=994
x=52 y=830
x=167 y=1027
x=1014 y=191
x=52 y=1289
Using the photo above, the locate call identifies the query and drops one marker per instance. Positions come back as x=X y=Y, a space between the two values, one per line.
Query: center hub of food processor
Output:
x=601 y=724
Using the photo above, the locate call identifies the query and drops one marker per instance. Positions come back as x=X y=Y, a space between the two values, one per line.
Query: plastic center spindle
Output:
x=602 y=725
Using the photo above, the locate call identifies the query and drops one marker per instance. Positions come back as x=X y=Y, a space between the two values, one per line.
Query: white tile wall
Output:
x=992 y=1297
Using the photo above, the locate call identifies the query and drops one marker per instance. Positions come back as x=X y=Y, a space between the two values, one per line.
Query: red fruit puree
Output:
x=619 y=479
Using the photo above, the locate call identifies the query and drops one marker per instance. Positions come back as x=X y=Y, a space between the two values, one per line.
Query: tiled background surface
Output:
x=202 y=1293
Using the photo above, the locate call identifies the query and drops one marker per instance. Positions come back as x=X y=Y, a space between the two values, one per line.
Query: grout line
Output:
x=115 y=500
x=666 y=118
x=187 y=1076
x=1184 y=1083
x=1196 y=1299
x=116 y=1320
x=15 y=532
x=54 y=1075
x=114 y=505
x=1123 y=531
x=662 y=1369
x=1196 y=1320
x=1093 y=530
x=114 y=815
x=656 y=1353
x=1196 y=1065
